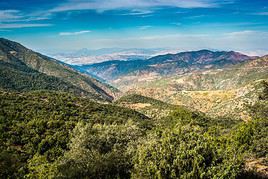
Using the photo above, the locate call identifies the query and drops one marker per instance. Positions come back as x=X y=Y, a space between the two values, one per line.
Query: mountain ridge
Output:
x=164 y=65
x=17 y=55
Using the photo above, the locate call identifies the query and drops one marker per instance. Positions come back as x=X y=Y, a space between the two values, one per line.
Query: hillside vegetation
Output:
x=24 y=69
x=150 y=107
x=58 y=135
x=58 y=123
x=36 y=128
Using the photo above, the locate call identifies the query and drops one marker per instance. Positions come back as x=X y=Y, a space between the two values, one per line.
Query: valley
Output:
x=133 y=89
x=133 y=118
x=216 y=83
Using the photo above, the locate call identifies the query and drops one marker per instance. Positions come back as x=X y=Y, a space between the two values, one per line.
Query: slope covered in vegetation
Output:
x=24 y=69
x=145 y=105
x=36 y=127
x=58 y=135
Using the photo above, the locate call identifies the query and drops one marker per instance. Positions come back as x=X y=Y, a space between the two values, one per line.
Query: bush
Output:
x=185 y=153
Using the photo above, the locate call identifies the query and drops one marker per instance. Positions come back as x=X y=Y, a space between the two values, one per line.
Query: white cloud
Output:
x=241 y=33
x=74 y=33
x=130 y=4
x=261 y=13
x=196 y=16
x=255 y=53
x=16 y=25
x=6 y=15
x=137 y=12
x=145 y=27
x=176 y=23
x=12 y=16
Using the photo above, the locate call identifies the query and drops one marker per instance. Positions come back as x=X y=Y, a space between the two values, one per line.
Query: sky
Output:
x=51 y=26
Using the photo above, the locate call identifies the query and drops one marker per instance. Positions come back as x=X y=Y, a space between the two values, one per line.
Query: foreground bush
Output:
x=185 y=153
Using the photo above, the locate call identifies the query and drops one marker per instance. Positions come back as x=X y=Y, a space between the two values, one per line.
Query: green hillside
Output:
x=57 y=123
x=22 y=78
x=38 y=125
x=24 y=64
x=58 y=135
x=145 y=105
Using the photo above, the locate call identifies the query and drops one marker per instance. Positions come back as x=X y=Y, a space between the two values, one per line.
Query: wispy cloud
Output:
x=7 y=15
x=138 y=12
x=11 y=15
x=196 y=16
x=16 y=25
x=145 y=27
x=176 y=23
x=261 y=13
x=133 y=4
x=74 y=33
x=239 y=33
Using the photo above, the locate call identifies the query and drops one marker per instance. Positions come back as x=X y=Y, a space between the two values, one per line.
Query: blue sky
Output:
x=62 y=25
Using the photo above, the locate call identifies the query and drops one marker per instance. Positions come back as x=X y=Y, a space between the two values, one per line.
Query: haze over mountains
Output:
x=87 y=56
x=164 y=65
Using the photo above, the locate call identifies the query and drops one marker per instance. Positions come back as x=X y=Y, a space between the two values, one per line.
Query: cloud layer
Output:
x=17 y=25
x=74 y=33
x=132 y=4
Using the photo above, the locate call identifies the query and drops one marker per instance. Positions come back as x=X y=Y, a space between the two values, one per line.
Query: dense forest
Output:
x=45 y=134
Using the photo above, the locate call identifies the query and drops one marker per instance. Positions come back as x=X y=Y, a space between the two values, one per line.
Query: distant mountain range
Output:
x=215 y=82
x=191 y=114
x=87 y=56
x=218 y=83
x=22 y=69
x=218 y=92
x=164 y=65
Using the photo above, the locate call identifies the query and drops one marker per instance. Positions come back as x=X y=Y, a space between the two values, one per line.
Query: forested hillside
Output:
x=58 y=123
x=36 y=129
x=58 y=135
x=23 y=69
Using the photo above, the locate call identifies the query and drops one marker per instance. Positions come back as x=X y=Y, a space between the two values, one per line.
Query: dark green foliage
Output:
x=100 y=151
x=253 y=137
x=22 y=69
x=185 y=153
x=49 y=134
x=134 y=98
x=58 y=135
x=39 y=123
x=182 y=116
x=153 y=108
x=23 y=78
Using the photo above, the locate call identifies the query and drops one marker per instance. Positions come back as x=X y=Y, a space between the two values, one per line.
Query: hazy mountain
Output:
x=164 y=65
x=23 y=69
x=87 y=56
